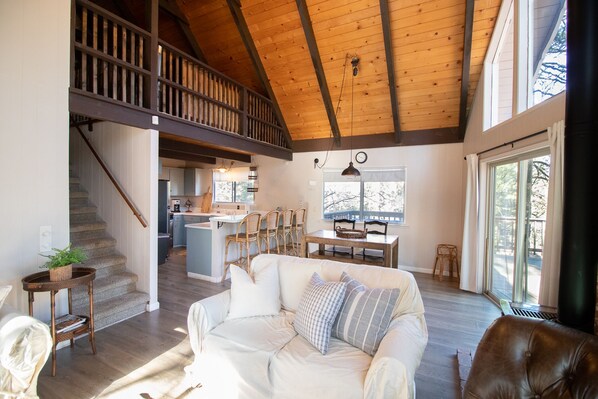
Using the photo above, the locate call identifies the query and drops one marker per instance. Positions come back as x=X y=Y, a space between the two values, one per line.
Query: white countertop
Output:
x=227 y=218
x=194 y=214
x=204 y=226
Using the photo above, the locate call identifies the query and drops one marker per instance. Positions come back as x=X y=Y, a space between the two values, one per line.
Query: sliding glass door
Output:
x=518 y=193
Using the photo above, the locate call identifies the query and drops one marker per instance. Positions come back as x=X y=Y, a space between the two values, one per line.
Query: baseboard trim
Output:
x=204 y=277
x=422 y=270
x=150 y=307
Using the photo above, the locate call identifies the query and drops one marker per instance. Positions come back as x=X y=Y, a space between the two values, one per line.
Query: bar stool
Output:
x=251 y=234
x=286 y=230
x=446 y=253
x=298 y=229
x=271 y=230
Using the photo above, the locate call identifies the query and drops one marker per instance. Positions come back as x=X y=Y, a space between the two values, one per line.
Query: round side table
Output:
x=40 y=282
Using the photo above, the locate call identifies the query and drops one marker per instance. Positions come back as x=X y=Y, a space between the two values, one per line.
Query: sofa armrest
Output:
x=25 y=344
x=204 y=315
x=392 y=371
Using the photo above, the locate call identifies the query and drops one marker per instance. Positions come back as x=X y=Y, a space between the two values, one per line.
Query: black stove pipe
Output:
x=579 y=258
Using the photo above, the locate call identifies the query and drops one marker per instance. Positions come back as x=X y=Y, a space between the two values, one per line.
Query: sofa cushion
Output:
x=259 y=296
x=299 y=371
x=317 y=310
x=365 y=315
x=4 y=291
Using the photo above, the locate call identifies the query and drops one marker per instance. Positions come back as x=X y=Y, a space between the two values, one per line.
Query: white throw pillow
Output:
x=259 y=296
x=4 y=291
x=365 y=314
x=317 y=310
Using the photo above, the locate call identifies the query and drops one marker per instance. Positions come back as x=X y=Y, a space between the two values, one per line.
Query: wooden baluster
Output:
x=105 y=51
x=202 y=90
x=94 y=60
x=132 y=73
x=170 y=78
x=115 y=55
x=123 y=53
x=184 y=93
x=196 y=88
x=211 y=95
x=140 y=76
x=83 y=53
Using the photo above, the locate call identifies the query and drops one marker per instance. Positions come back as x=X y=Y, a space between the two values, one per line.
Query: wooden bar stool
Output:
x=286 y=230
x=271 y=230
x=251 y=234
x=446 y=253
x=298 y=229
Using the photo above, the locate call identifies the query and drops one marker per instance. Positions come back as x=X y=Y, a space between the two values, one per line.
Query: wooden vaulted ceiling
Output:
x=425 y=38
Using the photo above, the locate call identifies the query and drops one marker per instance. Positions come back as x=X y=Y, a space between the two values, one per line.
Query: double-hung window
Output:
x=232 y=186
x=377 y=194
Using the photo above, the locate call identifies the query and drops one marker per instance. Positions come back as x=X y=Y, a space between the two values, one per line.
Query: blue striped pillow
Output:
x=365 y=315
x=317 y=310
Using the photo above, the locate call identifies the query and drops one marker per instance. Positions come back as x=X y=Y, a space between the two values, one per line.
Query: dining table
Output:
x=389 y=244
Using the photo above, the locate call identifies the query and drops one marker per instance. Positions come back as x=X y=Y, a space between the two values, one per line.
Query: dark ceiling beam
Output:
x=235 y=9
x=195 y=149
x=414 y=137
x=467 y=39
x=319 y=69
x=183 y=22
x=185 y=156
x=390 y=66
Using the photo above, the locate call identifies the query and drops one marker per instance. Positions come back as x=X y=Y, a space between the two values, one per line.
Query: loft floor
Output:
x=144 y=357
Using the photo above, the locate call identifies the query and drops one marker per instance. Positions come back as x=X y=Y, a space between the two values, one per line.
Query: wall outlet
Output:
x=45 y=239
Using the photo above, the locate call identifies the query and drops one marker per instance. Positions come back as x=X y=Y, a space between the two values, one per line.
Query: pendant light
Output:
x=351 y=170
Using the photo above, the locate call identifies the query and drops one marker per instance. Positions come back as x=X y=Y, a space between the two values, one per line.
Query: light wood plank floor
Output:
x=144 y=357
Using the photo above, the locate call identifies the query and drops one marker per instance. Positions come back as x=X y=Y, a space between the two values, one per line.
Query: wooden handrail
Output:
x=112 y=178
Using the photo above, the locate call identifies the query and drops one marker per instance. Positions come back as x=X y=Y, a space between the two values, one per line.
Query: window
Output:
x=502 y=76
x=550 y=51
x=232 y=186
x=376 y=194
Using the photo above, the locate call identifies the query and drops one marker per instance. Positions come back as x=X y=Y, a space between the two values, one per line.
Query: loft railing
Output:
x=111 y=58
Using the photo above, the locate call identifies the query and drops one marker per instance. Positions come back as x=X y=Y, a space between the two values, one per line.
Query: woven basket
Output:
x=349 y=233
x=61 y=273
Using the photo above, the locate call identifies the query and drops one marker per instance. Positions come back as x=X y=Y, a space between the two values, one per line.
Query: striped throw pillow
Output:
x=365 y=315
x=317 y=310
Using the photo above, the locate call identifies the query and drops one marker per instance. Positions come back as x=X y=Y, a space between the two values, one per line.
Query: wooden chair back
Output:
x=347 y=222
x=379 y=227
x=300 y=216
x=287 y=218
x=252 y=223
x=272 y=220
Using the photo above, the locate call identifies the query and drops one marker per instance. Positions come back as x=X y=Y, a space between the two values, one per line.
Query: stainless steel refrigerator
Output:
x=163 y=206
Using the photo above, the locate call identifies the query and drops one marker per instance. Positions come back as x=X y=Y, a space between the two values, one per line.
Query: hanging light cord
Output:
x=338 y=106
x=352 y=82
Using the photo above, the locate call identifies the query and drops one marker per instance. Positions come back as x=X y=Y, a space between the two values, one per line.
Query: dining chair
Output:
x=375 y=227
x=248 y=231
x=343 y=251
x=271 y=230
x=298 y=229
x=286 y=229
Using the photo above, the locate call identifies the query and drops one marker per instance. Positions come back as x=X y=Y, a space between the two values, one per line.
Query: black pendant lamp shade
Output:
x=351 y=171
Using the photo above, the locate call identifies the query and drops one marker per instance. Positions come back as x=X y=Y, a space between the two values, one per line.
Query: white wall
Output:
x=132 y=156
x=434 y=204
x=34 y=77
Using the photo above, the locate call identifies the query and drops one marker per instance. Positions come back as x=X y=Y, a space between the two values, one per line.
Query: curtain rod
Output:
x=511 y=142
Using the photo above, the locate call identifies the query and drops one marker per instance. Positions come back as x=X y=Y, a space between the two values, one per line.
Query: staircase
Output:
x=115 y=296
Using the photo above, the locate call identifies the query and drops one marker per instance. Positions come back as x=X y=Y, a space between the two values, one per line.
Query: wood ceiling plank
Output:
x=469 y=8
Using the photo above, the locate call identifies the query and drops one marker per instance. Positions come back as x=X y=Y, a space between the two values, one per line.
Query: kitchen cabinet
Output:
x=196 y=181
x=179 y=232
x=177 y=180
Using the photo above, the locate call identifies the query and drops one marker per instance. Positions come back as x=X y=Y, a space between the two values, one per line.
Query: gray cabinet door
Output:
x=179 y=236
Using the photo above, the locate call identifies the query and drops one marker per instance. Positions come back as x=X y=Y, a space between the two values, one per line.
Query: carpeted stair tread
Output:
x=87 y=226
x=109 y=282
x=77 y=210
x=101 y=262
x=92 y=243
x=116 y=309
x=78 y=194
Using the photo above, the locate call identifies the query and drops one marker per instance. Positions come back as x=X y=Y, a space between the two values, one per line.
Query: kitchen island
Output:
x=205 y=246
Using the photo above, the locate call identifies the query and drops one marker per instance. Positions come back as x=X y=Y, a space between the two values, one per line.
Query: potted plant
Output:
x=60 y=264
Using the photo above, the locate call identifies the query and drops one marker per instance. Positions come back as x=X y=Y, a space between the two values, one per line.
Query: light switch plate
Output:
x=45 y=239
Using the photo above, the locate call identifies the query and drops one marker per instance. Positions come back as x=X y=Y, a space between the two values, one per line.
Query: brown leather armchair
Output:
x=529 y=358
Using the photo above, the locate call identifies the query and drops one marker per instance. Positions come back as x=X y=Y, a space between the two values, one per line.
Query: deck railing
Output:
x=111 y=59
x=393 y=217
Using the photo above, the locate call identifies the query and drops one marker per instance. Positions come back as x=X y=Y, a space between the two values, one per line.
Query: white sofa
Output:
x=263 y=357
x=25 y=344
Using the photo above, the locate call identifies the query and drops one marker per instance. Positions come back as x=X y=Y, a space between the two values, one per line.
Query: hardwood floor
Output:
x=144 y=357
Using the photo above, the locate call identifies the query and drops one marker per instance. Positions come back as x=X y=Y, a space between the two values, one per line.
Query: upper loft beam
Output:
x=319 y=69
x=466 y=63
x=186 y=156
x=235 y=9
x=181 y=19
x=196 y=149
x=390 y=66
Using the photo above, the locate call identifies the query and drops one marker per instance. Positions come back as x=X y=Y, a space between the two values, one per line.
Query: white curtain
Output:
x=472 y=269
x=551 y=261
